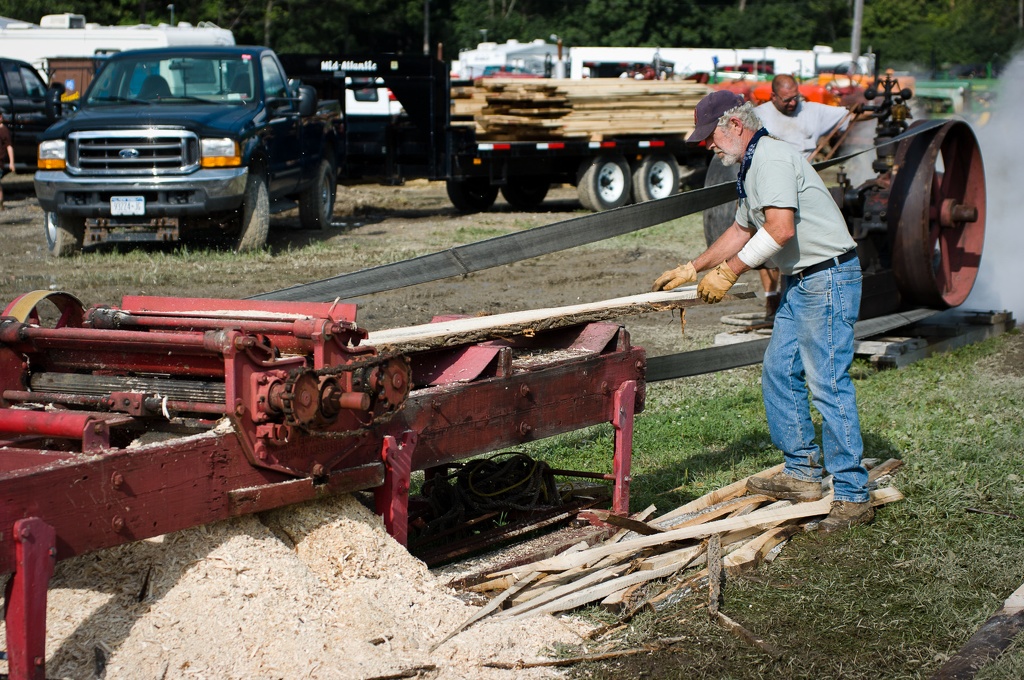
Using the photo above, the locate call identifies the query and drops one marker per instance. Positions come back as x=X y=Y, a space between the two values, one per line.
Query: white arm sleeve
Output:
x=759 y=249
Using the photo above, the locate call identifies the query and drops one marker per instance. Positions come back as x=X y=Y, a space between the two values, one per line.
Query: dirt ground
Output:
x=375 y=225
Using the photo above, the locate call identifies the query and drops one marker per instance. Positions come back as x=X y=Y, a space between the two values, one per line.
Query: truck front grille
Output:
x=146 y=151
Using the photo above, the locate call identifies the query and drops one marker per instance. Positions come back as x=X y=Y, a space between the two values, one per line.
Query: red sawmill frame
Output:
x=71 y=484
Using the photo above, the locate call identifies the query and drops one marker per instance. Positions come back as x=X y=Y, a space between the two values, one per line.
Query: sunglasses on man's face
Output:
x=788 y=100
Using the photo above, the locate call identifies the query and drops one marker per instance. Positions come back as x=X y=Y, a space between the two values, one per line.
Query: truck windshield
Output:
x=175 y=80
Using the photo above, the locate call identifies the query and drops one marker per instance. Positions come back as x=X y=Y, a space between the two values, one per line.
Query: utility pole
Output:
x=426 y=28
x=858 y=22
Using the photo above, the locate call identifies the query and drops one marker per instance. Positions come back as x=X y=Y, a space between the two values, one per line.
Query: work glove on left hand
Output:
x=673 y=278
x=716 y=284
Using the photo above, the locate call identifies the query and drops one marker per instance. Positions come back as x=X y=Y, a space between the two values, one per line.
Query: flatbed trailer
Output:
x=427 y=142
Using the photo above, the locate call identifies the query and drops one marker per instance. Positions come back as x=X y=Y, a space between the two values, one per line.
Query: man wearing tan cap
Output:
x=786 y=214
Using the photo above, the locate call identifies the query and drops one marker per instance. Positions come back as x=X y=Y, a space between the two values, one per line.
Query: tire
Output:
x=656 y=176
x=525 y=193
x=472 y=195
x=604 y=182
x=316 y=204
x=721 y=217
x=64 y=234
x=254 y=223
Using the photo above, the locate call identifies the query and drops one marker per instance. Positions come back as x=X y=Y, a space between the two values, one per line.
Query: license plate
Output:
x=127 y=205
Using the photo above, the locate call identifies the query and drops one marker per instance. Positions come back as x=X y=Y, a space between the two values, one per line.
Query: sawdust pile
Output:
x=317 y=590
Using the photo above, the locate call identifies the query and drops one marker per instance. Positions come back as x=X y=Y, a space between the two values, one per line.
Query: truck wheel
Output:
x=471 y=195
x=525 y=193
x=64 y=234
x=316 y=205
x=721 y=217
x=604 y=182
x=254 y=224
x=656 y=176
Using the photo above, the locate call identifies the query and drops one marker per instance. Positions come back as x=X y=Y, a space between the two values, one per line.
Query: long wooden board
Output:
x=474 y=329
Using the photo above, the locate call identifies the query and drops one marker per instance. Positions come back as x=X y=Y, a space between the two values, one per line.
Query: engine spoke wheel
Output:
x=938 y=204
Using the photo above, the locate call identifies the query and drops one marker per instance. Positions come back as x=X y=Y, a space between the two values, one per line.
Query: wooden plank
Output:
x=736 y=505
x=761 y=517
x=600 y=591
x=472 y=329
x=728 y=492
x=557 y=594
x=995 y=635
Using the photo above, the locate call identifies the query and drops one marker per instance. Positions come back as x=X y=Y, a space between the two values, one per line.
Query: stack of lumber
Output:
x=651 y=563
x=522 y=109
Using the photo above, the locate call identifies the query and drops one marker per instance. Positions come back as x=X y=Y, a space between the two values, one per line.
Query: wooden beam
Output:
x=988 y=642
x=474 y=329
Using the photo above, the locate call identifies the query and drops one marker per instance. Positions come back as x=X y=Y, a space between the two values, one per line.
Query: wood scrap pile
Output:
x=524 y=109
x=651 y=563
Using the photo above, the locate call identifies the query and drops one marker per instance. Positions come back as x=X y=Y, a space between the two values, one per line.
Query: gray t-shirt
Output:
x=809 y=122
x=779 y=177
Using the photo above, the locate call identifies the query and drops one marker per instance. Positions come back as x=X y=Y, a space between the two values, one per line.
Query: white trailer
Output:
x=66 y=36
x=689 y=60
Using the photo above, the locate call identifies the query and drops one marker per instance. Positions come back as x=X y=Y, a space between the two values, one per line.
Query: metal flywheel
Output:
x=936 y=215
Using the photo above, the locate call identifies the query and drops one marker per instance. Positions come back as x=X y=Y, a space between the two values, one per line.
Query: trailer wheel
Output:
x=604 y=182
x=64 y=234
x=254 y=223
x=471 y=195
x=656 y=176
x=316 y=204
x=721 y=217
x=525 y=193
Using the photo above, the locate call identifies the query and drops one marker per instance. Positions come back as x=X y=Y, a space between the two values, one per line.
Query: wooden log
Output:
x=988 y=642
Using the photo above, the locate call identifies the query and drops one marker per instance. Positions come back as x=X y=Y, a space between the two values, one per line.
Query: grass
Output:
x=890 y=600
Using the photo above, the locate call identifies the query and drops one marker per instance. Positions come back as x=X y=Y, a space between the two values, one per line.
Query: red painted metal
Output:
x=940 y=223
x=310 y=412
x=392 y=497
x=92 y=431
x=25 y=613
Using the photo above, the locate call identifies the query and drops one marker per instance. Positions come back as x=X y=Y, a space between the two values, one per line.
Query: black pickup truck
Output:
x=29 y=108
x=174 y=141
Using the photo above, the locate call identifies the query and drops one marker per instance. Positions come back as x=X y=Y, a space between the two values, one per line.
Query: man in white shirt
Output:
x=802 y=124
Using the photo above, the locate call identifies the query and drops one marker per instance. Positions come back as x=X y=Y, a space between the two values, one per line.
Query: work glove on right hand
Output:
x=673 y=278
x=716 y=284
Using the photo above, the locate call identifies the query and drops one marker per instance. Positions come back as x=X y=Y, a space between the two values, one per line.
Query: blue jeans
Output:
x=812 y=347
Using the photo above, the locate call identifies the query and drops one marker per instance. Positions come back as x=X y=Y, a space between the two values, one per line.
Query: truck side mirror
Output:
x=307 y=100
x=54 y=108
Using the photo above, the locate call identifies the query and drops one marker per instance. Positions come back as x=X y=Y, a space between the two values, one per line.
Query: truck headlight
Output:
x=52 y=155
x=219 y=153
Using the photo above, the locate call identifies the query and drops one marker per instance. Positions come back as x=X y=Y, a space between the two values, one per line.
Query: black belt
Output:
x=829 y=263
